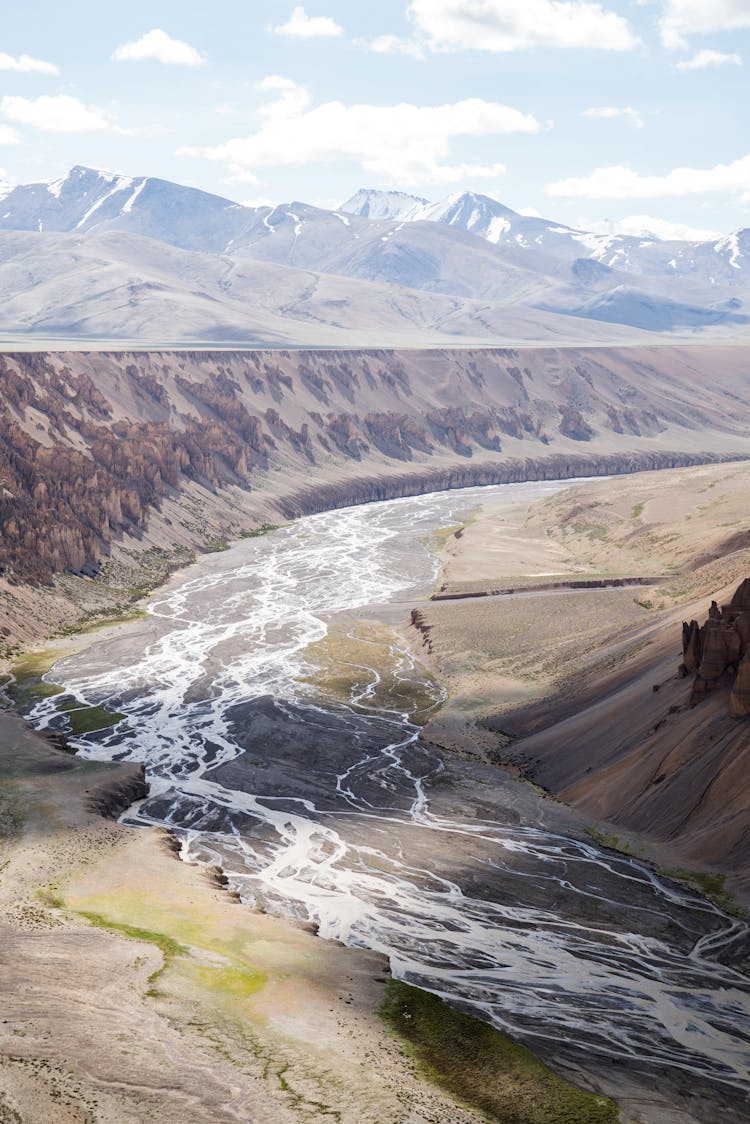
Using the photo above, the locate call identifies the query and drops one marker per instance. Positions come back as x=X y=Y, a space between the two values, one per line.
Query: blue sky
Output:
x=624 y=113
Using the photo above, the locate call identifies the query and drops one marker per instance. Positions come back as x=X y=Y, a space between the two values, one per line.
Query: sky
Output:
x=623 y=115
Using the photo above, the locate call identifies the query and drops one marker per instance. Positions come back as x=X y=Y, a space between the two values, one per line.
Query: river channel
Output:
x=332 y=810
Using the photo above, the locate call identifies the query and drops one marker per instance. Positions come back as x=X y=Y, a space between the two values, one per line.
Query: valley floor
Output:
x=135 y=988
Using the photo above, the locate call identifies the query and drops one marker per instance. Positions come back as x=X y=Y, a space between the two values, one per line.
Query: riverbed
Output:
x=320 y=801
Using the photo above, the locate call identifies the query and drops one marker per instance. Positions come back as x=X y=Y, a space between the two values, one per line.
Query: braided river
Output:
x=330 y=809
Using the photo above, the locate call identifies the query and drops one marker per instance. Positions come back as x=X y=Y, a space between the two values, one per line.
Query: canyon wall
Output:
x=100 y=452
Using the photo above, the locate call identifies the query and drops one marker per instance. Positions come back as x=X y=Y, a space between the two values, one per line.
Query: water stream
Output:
x=328 y=811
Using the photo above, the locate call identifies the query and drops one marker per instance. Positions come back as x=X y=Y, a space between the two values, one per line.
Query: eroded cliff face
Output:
x=654 y=748
x=95 y=449
x=719 y=651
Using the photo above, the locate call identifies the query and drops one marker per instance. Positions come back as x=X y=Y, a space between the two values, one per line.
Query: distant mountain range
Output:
x=103 y=256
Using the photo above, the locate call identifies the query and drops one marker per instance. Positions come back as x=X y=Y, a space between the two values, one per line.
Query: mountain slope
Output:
x=101 y=255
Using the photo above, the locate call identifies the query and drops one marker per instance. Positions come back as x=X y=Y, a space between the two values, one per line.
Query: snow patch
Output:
x=122 y=183
x=731 y=244
x=129 y=205
x=496 y=229
x=55 y=187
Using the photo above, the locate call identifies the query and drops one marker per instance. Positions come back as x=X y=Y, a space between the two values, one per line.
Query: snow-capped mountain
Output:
x=462 y=266
x=370 y=203
x=641 y=256
x=88 y=199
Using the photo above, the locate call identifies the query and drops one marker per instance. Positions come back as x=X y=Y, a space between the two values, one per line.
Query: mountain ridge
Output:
x=465 y=269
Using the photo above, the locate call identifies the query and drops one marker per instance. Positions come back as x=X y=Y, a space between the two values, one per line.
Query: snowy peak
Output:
x=734 y=249
x=88 y=199
x=369 y=203
x=477 y=214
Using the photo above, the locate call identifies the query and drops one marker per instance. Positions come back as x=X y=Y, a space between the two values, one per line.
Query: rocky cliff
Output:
x=719 y=652
x=101 y=452
x=657 y=749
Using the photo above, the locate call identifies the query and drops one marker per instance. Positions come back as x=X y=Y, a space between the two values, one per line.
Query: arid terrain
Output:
x=115 y=468
x=118 y=469
x=580 y=687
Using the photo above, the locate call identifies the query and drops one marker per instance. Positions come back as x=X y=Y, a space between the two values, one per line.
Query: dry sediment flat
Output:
x=581 y=689
x=253 y=1018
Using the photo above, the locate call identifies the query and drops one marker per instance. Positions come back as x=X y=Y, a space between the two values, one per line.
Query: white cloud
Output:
x=401 y=143
x=648 y=226
x=8 y=135
x=303 y=26
x=682 y=18
x=707 y=57
x=60 y=114
x=608 y=112
x=393 y=45
x=507 y=25
x=25 y=64
x=160 y=47
x=620 y=182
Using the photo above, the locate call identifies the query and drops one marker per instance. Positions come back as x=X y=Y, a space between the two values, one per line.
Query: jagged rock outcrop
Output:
x=419 y=622
x=719 y=652
x=111 y=797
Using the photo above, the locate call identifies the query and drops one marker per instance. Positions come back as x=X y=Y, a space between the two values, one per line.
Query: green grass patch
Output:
x=637 y=511
x=712 y=886
x=95 y=622
x=215 y=546
x=258 y=532
x=26 y=685
x=169 y=947
x=87 y=719
x=610 y=841
x=483 y=1068
x=236 y=984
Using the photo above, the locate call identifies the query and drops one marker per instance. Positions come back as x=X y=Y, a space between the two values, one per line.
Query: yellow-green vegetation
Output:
x=197 y=960
x=215 y=546
x=483 y=1068
x=168 y=946
x=96 y=621
x=712 y=886
x=237 y=982
x=27 y=684
x=85 y=719
x=366 y=666
x=258 y=532
x=438 y=539
x=637 y=511
x=611 y=841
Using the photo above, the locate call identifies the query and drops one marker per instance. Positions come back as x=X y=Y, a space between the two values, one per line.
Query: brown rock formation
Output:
x=720 y=650
x=692 y=647
x=94 y=446
x=739 y=700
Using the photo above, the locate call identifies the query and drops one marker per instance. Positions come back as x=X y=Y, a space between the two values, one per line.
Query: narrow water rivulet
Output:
x=328 y=811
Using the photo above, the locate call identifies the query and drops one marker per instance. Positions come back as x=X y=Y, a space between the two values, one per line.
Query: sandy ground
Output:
x=580 y=688
x=252 y=1019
